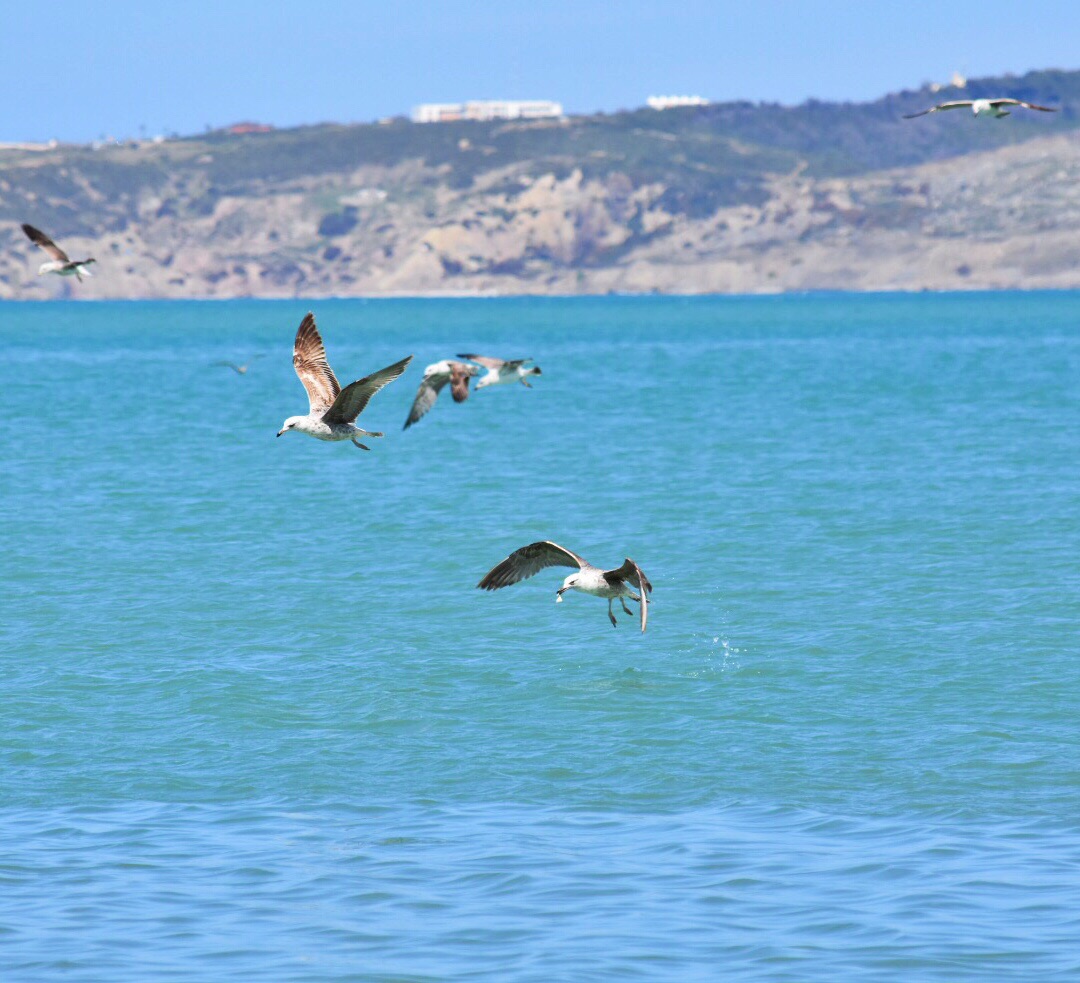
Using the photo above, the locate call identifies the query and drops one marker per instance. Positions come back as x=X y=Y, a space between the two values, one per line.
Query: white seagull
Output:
x=994 y=108
x=62 y=264
x=436 y=376
x=535 y=557
x=332 y=409
x=501 y=372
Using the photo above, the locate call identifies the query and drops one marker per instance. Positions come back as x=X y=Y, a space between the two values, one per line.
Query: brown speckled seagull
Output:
x=61 y=264
x=332 y=410
x=531 y=559
x=436 y=376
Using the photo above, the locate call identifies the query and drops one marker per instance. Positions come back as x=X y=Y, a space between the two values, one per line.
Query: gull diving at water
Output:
x=994 y=108
x=62 y=264
x=610 y=584
x=501 y=372
x=239 y=369
x=332 y=410
x=436 y=376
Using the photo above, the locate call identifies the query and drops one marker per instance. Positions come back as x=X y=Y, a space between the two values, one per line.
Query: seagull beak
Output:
x=559 y=593
x=280 y=432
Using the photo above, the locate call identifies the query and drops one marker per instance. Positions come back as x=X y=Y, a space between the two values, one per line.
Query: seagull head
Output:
x=567 y=584
x=290 y=424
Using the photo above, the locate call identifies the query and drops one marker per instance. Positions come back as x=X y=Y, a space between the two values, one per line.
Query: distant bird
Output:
x=501 y=372
x=62 y=265
x=436 y=376
x=983 y=107
x=239 y=369
x=535 y=557
x=332 y=409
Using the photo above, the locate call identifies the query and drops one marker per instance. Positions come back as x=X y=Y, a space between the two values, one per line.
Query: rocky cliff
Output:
x=731 y=198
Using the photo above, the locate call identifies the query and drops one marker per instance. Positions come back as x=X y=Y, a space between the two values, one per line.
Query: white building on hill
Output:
x=486 y=109
x=674 y=102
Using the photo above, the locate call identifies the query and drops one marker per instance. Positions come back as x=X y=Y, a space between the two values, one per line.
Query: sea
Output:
x=258 y=724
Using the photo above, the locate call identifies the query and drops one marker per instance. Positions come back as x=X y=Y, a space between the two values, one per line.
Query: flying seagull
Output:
x=501 y=372
x=535 y=557
x=238 y=369
x=62 y=264
x=436 y=376
x=983 y=107
x=332 y=409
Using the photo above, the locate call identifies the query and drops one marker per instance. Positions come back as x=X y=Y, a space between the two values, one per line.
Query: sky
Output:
x=121 y=68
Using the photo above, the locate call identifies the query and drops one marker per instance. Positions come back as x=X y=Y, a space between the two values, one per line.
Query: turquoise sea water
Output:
x=258 y=723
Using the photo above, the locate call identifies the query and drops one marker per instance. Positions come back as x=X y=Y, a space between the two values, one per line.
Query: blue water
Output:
x=258 y=723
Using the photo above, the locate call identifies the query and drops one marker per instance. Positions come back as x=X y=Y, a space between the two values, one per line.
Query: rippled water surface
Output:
x=258 y=723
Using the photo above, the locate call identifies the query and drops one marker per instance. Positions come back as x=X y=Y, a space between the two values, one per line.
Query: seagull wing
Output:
x=527 y=561
x=959 y=104
x=631 y=572
x=231 y=365
x=426 y=394
x=1020 y=102
x=38 y=238
x=490 y=363
x=309 y=360
x=460 y=374
x=354 y=397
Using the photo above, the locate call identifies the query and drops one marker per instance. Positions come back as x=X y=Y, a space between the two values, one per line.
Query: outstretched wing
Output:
x=941 y=107
x=426 y=394
x=487 y=362
x=1020 y=102
x=38 y=238
x=528 y=560
x=354 y=397
x=309 y=360
x=631 y=573
x=460 y=374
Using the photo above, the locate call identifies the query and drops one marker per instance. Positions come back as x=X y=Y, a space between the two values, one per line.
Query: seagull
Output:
x=501 y=372
x=535 y=557
x=436 y=376
x=983 y=107
x=332 y=409
x=238 y=369
x=62 y=265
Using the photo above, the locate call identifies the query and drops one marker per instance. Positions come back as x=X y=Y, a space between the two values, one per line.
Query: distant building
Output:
x=51 y=145
x=239 y=129
x=486 y=109
x=674 y=102
x=957 y=82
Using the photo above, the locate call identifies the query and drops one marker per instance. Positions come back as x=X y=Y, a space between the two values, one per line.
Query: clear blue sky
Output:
x=79 y=70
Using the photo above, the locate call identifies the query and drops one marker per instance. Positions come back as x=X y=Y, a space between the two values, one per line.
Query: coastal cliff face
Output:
x=734 y=198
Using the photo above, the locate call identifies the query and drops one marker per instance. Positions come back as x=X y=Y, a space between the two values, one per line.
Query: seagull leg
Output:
x=371 y=433
x=622 y=601
x=525 y=384
x=614 y=623
x=361 y=446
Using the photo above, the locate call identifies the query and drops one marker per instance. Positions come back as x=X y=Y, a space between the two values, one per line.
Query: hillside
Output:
x=729 y=197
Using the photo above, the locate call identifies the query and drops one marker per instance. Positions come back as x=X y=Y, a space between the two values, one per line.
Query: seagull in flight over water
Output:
x=611 y=584
x=995 y=108
x=436 y=376
x=501 y=372
x=332 y=410
x=239 y=369
x=61 y=264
